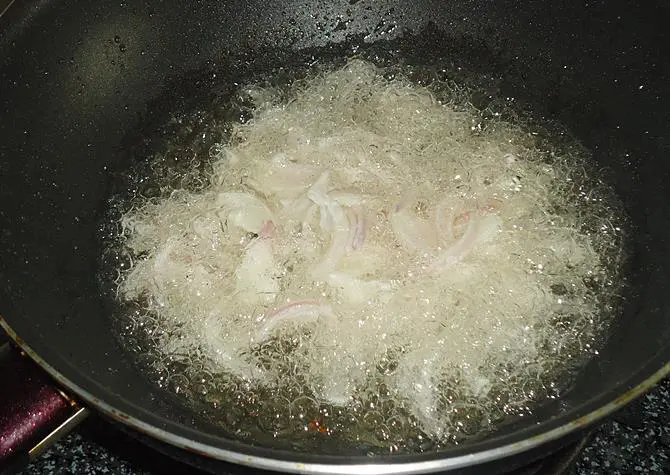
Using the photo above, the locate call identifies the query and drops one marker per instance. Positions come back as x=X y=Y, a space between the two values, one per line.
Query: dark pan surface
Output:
x=79 y=81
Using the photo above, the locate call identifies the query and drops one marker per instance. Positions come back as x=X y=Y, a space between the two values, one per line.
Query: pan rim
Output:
x=348 y=465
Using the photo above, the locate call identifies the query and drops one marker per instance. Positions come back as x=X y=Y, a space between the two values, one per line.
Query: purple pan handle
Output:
x=34 y=414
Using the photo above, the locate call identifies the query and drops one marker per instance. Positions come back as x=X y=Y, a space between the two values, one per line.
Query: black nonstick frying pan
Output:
x=83 y=85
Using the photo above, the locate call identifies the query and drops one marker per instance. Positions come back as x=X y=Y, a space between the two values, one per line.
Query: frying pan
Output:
x=83 y=85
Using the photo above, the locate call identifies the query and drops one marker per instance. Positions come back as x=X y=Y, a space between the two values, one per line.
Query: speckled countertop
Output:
x=635 y=440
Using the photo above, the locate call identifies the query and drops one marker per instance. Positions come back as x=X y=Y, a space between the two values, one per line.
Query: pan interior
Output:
x=181 y=152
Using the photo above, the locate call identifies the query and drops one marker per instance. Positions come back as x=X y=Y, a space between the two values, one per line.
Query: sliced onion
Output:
x=451 y=221
x=444 y=220
x=336 y=251
x=337 y=388
x=329 y=209
x=415 y=381
x=285 y=177
x=243 y=210
x=333 y=219
x=356 y=291
x=350 y=199
x=357 y=228
x=226 y=351
x=412 y=232
x=268 y=230
x=479 y=230
x=295 y=313
x=256 y=276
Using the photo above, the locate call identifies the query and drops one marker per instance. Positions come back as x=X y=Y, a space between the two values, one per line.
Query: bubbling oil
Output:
x=477 y=269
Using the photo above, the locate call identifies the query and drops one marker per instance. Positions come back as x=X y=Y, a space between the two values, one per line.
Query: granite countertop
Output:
x=635 y=440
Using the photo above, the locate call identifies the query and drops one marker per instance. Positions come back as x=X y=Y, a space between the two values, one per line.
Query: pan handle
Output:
x=34 y=414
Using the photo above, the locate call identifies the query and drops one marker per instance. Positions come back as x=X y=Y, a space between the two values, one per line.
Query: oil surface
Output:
x=382 y=419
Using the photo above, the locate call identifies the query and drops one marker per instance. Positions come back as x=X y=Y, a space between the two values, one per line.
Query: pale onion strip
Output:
x=479 y=230
x=268 y=230
x=444 y=220
x=455 y=252
x=346 y=198
x=333 y=219
x=296 y=313
x=285 y=176
x=357 y=230
x=336 y=251
x=255 y=277
x=415 y=380
x=243 y=210
x=330 y=209
x=298 y=213
x=227 y=353
x=356 y=291
x=412 y=232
